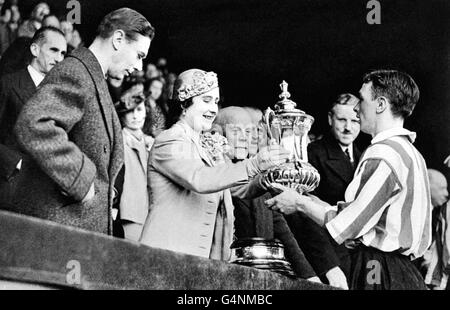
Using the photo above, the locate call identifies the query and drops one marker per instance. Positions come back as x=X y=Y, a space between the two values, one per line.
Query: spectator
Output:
x=252 y=219
x=134 y=200
x=437 y=259
x=335 y=157
x=257 y=119
x=17 y=55
x=151 y=71
x=51 y=20
x=76 y=40
x=72 y=132
x=48 y=48
x=30 y=26
x=9 y=23
x=156 y=119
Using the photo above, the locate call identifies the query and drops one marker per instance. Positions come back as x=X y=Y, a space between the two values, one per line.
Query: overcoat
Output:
x=72 y=134
x=186 y=191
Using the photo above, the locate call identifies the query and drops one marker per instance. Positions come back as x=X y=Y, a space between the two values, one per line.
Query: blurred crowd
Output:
x=90 y=131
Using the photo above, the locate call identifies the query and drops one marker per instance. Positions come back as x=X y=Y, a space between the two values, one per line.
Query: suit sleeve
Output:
x=315 y=241
x=313 y=159
x=173 y=158
x=254 y=188
x=45 y=121
x=293 y=252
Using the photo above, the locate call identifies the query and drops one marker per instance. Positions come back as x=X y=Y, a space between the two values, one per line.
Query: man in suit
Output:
x=72 y=132
x=48 y=47
x=335 y=157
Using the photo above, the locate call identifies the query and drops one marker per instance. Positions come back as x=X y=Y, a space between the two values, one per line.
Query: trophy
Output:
x=289 y=127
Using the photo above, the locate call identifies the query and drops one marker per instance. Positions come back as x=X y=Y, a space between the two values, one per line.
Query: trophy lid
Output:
x=286 y=105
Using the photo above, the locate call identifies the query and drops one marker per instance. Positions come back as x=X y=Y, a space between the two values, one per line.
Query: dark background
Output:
x=321 y=48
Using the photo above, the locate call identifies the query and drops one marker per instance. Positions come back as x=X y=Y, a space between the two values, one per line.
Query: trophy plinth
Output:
x=289 y=127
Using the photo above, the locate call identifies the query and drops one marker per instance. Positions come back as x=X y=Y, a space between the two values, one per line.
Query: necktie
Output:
x=348 y=155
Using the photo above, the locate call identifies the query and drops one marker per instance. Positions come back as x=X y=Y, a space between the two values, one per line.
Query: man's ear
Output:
x=330 y=116
x=118 y=39
x=382 y=104
x=35 y=49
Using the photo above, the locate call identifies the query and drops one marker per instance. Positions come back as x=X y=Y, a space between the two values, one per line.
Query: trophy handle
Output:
x=267 y=122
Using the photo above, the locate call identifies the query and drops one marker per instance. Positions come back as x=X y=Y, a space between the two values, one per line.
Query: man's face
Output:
x=128 y=56
x=155 y=89
x=239 y=138
x=52 y=51
x=51 y=21
x=366 y=109
x=67 y=28
x=344 y=123
x=438 y=191
x=40 y=11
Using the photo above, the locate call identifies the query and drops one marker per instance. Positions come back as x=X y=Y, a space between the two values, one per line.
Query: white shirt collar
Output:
x=36 y=76
x=103 y=69
x=396 y=131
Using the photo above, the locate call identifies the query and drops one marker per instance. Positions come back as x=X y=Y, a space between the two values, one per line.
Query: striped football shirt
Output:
x=388 y=204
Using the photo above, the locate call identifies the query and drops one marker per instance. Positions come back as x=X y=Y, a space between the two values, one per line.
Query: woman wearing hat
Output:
x=134 y=200
x=191 y=209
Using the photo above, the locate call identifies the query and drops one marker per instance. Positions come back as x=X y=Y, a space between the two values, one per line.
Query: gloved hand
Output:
x=267 y=158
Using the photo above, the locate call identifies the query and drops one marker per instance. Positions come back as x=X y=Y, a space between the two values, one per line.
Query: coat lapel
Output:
x=338 y=162
x=201 y=151
x=134 y=145
x=106 y=105
x=25 y=87
x=109 y=115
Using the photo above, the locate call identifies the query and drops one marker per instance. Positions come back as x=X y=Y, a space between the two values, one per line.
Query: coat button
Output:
x=105 y=149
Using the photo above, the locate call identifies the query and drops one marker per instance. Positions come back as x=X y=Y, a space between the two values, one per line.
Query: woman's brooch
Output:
x=215 y=144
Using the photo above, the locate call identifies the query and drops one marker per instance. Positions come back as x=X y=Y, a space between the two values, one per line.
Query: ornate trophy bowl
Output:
x=289 y=127
x=262 y=254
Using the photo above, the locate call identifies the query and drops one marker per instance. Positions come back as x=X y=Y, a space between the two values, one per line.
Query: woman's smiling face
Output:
x=201 y=114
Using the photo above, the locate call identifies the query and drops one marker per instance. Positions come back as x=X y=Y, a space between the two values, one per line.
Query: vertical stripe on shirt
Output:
x=388 y=203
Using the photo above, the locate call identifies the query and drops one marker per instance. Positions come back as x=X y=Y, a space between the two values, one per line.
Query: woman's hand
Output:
x=269 y=157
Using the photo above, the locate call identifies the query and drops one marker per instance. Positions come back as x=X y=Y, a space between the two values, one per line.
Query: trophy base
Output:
x=300 y=176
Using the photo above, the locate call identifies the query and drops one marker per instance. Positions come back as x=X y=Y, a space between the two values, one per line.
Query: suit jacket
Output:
x=16 y=56
x=15 y=90
x=336 y=172
x=186 y=190
x=334 y=167
x=71 y=131
x=254 y=219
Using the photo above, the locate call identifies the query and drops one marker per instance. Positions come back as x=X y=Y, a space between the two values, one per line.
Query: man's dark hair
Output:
x=39 y=35
x=399 y=87
x=128 y=20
